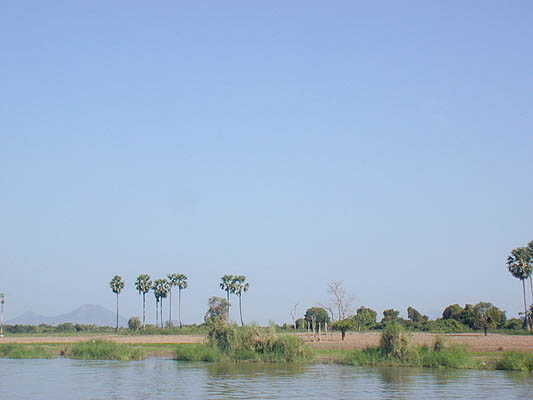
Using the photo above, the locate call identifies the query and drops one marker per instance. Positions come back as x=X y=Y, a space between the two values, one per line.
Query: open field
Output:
x=475 y=342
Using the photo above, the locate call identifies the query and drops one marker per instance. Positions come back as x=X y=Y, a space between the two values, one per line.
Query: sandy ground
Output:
x=475 y=342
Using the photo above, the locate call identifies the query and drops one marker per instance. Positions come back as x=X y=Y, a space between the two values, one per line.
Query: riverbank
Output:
x=475 y=342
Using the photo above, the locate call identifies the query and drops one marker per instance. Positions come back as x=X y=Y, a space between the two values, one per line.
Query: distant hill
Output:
x=89 y=314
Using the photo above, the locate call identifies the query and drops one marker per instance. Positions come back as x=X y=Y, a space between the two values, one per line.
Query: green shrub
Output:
x=134 y=324
x=394 y=342
x=198 y=352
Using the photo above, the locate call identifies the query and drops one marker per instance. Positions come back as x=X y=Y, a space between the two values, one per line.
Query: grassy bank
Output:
x=228 y=342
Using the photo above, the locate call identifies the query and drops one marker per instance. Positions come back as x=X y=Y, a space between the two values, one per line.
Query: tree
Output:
x=226 y=283
x=365 y=317
x=390 y=315
x=180 y=281
x=415 y=316
x=341 y=301
x=157 y=297
x=134 y=324
x=117 y=284
x=488 y=316
x=344 y=325
x=318 y=314
x=293 y=315
x=217 y=310
x=161 y=287
x=452 y=312
x=238 y=286
x=518 y=264
x=143 y=284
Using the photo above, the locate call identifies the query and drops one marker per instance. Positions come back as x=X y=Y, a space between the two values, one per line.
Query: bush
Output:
x=394 y=342
x=134 y=324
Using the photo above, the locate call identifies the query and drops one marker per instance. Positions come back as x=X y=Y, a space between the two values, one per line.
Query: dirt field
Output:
x=475 y=342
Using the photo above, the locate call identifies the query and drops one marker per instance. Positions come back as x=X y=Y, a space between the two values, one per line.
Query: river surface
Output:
x=167 y=379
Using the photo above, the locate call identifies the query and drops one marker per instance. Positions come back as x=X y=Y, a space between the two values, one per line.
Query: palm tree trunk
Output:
x=144 y=308
x=161 y=311
x=157 y=313
x=179 y=306
x=117 y=312
x=525 y=306
x=240 y=308
x=531 y=286
x=170 y=308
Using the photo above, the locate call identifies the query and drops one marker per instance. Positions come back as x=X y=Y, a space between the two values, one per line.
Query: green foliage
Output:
x=422 y=356
x=217 y=311
x=390 y=315
x=143 y=284
x=116 y=284
x=319 y=313
x=252 y=343
x=485 y=314
x=415 y=316
x=452 y=312
x=134 y=324
x=348 y=324
x=65 y=327
x=365 y=317
x=515 y=324
x=301 y=323
x=516 y=361
x=394 y=342
x=105 y=350
x=21 y=351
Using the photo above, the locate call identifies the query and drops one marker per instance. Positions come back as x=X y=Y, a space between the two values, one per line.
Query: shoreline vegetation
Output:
x=229 y=343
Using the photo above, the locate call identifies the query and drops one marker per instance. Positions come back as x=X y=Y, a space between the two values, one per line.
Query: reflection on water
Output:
x=167 y=379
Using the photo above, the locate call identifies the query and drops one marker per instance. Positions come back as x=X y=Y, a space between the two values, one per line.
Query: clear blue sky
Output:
x=385 y=145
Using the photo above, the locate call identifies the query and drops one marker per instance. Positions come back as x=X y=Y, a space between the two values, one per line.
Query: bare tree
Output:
x=341 y=301
x=293 y=315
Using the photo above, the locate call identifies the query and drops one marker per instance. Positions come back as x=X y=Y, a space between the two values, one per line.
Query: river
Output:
x=167 y=379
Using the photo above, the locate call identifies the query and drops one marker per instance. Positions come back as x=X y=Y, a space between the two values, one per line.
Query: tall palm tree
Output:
x=161 y=287
x=238 y=286
x=180 y=281
x=143 y=284
x=530 y=252
x=226 y=284
x=117 y=284
x=519 y=266
x=156 y=295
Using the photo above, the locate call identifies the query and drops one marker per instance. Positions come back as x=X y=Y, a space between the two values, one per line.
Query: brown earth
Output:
x=474 y=341
x=358 y=340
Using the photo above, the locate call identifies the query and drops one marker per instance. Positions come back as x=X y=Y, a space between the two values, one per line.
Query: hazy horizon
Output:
x=388 y=147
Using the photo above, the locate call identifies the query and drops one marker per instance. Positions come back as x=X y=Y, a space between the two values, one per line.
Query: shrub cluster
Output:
x=251 y=343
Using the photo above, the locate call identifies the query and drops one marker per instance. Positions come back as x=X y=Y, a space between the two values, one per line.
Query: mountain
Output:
x=89 y=314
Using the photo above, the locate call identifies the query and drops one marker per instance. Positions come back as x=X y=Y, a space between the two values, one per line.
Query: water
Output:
x=168 y=379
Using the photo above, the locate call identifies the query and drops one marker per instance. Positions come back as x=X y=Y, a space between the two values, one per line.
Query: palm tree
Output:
x=117 y=284
x=519 y=266
x=156 y=295
x=530 y=252
x=161 y=287
x=180 y=281
x=226 y=284
x=143 y=284
x=238 y=286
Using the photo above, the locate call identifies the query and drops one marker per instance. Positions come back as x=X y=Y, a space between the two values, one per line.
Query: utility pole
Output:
x=3 y=297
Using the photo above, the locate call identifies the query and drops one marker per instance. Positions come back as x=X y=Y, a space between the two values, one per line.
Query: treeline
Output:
x=481 y=316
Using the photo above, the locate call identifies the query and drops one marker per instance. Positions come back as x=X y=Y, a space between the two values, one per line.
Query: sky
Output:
x=385 y=145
